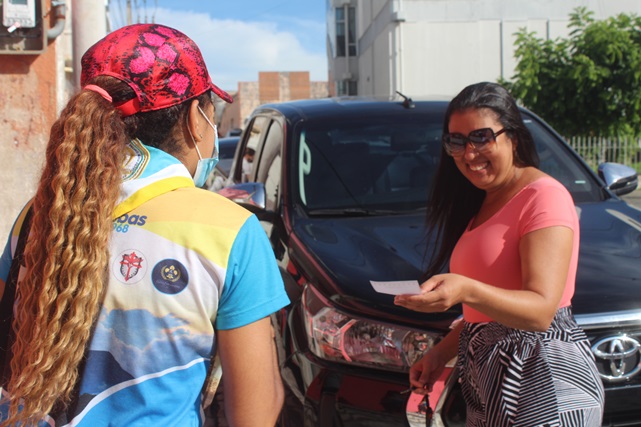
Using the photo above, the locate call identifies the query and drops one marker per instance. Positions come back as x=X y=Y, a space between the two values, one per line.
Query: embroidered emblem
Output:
x=129 y=266
x=169 y=276
x=136 y=159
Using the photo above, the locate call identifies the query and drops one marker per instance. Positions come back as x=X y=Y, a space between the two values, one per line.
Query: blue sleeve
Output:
x=5 y=261
x=7 y=256
x=253 y=286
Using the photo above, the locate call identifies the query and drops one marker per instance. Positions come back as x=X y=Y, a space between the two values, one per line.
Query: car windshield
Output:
x=559 y=161
x=377 y=166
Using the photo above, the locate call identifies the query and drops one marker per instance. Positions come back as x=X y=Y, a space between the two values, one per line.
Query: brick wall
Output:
x=299 y=85
x=268 y=86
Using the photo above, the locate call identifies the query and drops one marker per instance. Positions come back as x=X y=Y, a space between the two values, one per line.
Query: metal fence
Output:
x=598 y=149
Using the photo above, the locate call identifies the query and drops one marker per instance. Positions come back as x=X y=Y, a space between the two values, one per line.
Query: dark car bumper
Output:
x=340 y=395
x=617 y=335
x=332 y=394
x=622 y=406
x=338 y=399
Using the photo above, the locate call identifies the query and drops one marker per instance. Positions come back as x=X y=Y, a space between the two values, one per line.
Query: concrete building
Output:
x=427 y=48
x=272 y=86
x=36 y=79
x=32 y=73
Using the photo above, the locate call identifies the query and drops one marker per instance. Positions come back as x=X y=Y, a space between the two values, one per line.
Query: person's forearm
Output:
x=252 y=382
x=264 y=409
x=520 y=309
x=279 y=392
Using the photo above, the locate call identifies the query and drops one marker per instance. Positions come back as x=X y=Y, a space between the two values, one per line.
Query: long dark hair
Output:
x=454 y=201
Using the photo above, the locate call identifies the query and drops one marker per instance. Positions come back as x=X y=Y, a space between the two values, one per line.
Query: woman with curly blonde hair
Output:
x=132 y=279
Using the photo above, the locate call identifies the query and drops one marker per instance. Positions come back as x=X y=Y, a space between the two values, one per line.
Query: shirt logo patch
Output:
x=137 y=157
x=169 y=276
x=130 y=266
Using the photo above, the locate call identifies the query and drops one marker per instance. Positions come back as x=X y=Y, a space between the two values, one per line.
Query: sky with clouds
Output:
x=239 y=38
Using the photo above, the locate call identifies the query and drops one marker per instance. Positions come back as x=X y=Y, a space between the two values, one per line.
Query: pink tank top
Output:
x=490 y=252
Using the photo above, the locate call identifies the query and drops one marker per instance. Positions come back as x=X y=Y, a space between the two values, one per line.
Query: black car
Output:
x=341 y=187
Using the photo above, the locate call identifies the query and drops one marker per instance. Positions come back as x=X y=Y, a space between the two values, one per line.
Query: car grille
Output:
x=617 y=355
x=615 y=340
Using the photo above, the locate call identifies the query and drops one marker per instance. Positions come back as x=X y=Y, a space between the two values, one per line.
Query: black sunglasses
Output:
x=455 y=143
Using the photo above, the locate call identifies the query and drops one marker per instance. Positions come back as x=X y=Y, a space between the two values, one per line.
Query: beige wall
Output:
x=318 y=90
x=227 y=115
x=27 y=111
x=248 y=96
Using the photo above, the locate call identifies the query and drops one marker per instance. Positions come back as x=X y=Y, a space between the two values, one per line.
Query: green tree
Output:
x=587 y=84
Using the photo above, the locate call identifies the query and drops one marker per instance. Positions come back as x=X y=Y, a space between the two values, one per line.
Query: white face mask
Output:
x=205 y=166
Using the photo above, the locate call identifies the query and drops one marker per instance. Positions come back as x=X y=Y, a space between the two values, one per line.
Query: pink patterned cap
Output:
x=162 y=65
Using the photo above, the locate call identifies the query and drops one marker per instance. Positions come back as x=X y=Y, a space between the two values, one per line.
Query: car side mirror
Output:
x=620 y=179
x=251 y=196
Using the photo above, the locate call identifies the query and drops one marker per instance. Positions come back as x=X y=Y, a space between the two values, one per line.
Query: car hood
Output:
x=609 y=274
x=353 y=251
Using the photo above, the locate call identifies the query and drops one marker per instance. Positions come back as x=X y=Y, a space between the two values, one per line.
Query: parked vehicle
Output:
x=233 y=132
x=341 y=187
x=226 y=150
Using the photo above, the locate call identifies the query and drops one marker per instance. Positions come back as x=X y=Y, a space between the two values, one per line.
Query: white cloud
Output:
x=237 y=50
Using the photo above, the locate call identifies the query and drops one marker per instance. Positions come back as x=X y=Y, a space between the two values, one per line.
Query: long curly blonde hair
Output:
x=66 y=256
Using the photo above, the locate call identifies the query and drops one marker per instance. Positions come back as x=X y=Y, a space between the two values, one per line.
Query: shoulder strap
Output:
x=8 y=298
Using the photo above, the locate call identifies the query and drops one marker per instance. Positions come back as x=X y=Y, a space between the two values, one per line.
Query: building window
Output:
x=351 y=31
x=346 y=88
x=346 y=31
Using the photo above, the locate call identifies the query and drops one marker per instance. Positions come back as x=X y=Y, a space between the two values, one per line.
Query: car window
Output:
x=557 y=161
x=373 y=165
x=269 y=165
x=252 y=140
x=367 y=164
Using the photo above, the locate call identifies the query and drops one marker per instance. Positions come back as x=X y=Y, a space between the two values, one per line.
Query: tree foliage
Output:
x=587 y=84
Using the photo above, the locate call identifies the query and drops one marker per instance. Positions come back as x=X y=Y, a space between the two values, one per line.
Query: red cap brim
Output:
x=222 y=94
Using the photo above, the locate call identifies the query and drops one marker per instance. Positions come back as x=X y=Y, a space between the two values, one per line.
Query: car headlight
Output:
x=340 y=337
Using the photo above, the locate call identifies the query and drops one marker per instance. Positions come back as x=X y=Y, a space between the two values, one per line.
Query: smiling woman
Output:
x=511 y=234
